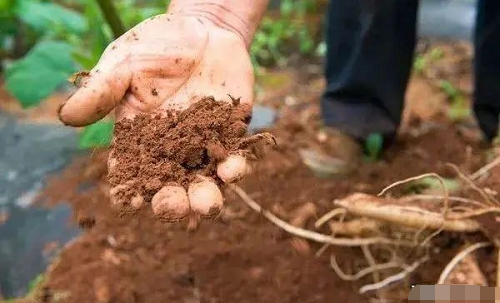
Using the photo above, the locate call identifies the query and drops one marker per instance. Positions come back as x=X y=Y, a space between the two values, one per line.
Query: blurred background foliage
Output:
x=42 y=43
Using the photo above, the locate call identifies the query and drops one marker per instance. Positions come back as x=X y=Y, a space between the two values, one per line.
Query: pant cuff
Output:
x=357 y=118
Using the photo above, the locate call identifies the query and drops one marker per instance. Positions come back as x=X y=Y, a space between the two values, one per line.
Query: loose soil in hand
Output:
x=150 y=152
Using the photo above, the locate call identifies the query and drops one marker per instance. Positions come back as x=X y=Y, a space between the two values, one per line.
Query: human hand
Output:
x=166 y=63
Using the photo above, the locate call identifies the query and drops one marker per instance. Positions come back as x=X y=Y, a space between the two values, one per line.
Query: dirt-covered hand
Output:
x=168 y=62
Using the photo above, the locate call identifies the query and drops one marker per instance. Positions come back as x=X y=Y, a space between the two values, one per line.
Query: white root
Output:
x=485 y=169
x=475 y=213
x=372 y=207
x=394 y=278
x=472 y=185
x=446 y=194
x=467 y=272
x=459 y=257
x=413 y=198
x=356 y=227
x=362 y=273
x=328 y=216
x=371 y=261
x=311 y=235
x=431 y=236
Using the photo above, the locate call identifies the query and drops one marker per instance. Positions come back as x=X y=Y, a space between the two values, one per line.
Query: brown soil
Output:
x=242 y=257
x=153 y=151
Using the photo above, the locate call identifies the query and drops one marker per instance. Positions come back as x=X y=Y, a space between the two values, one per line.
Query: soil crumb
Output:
x=150 y=152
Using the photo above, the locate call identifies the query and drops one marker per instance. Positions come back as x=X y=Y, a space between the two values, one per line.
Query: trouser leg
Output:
x=487 y=66
x=370 y=46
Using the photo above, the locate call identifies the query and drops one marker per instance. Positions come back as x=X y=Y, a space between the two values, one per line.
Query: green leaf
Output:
x=449 y=89
x=459 y=112
x=373 y=146
x=35 y=283
x=306 y=42
x=99 y=37
x=44 y=16
x=436 y=54
x=420 y=63
x=98 y=134
x=286 y=7
x=44 y=69
x=7 y=7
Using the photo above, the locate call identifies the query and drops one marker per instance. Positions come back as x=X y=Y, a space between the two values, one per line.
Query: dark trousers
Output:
x=370 y=46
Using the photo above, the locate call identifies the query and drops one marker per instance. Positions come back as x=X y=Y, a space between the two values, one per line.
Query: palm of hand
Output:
x=167 y=62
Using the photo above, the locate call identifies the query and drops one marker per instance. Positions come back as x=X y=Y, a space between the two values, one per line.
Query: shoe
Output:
x=333 y=153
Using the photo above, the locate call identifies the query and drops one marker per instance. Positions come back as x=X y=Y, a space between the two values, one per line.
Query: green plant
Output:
x=422 y=61
x=276 y=35
x=373 y=147
x=43 y=70
x=43 y=43
x=41 y=30
x=459 y=110
x=98 y=134
x=35 y=283
x=33 y=287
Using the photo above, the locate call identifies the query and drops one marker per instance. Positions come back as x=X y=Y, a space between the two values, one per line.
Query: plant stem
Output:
x=111 y=15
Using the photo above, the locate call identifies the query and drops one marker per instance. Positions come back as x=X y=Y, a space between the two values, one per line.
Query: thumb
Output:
x=102 y=89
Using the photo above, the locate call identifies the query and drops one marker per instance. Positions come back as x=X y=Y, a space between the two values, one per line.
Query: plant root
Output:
x=394 y=278
x=485 y=169
x=328 y=216
x=362 y=273
x=459 y=257
x=311 y=235
x=356 y=227
x=373 y=207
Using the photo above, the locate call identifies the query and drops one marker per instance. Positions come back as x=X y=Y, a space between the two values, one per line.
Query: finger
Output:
x=233 y=168
x=100 y=92
x=123 y=197
x=171 y=203
x=116 y=195
x=205 y=198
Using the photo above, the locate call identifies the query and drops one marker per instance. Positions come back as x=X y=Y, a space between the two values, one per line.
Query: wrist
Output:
x=238 y=16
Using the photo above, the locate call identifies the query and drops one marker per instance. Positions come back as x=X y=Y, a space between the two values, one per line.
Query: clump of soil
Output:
x=150 y=152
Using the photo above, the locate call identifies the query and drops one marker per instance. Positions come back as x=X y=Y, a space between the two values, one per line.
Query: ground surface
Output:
x=241 y=257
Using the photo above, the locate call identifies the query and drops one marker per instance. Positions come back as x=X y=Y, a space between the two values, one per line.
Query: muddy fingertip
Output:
x=171 y=203
x=137 y=201
x=233 y=168
x=116 y=195
x=205 y=197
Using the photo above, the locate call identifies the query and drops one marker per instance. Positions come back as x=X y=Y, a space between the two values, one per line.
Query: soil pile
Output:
x=150 y=152
x=123 y=259
x=241 y=257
